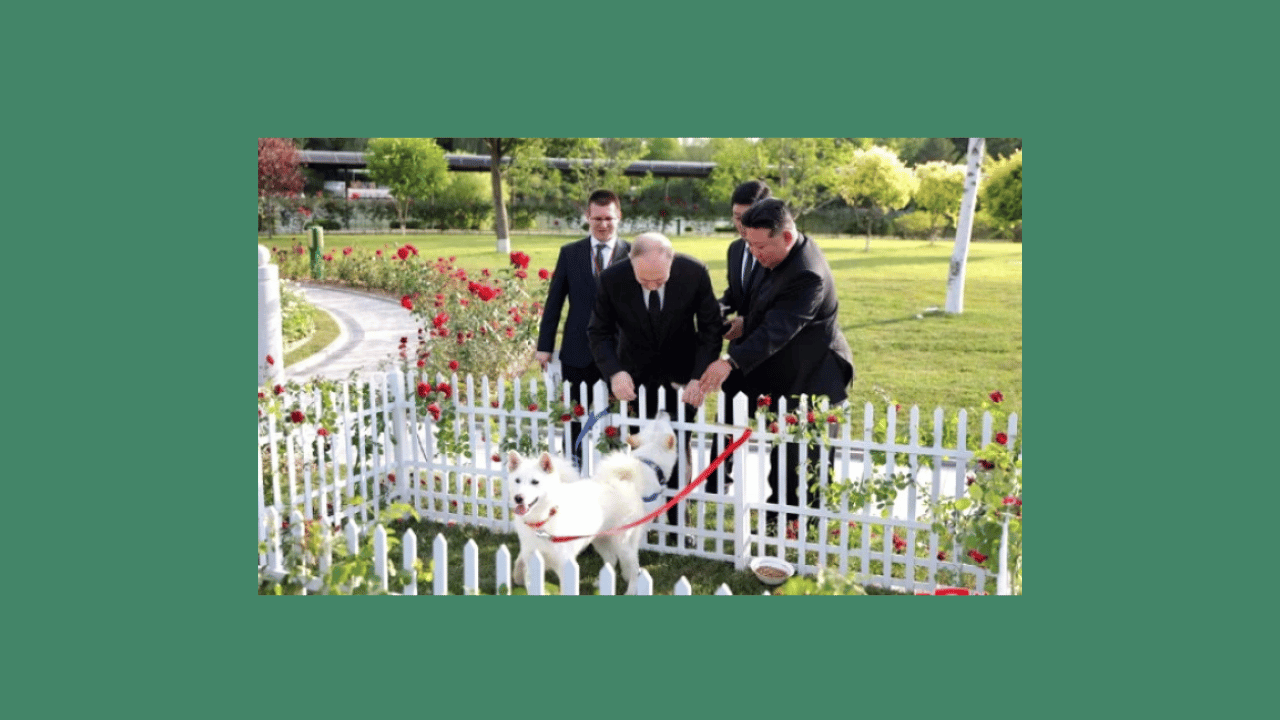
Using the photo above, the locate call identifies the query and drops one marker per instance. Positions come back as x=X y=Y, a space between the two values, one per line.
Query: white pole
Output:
x=959 y=256
x=270 y=334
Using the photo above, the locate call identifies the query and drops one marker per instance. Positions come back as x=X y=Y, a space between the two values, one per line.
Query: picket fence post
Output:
x=439 y=553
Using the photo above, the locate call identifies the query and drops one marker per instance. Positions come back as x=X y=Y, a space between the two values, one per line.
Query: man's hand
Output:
x=735 y=329
x=714 y=376
x=543 y=358
x=622 y=386
x=693 y=394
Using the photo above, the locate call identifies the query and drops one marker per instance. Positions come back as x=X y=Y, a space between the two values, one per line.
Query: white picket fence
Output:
x=382 y=449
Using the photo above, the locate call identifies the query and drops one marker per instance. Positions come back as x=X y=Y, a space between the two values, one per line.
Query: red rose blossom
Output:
x=444 y=388
x=544 y=274
x=764 y=401
x=406 y=302
x=347 y=250
x=520 y=260
x=899 y=543
x=1002 y=438
x=942 y=554
x=423 y=389
x=579 y=411
x=403 y=253
x=986 y=464
x=792 y=419
x=279 y=389
x=773 y=427
x=271 y=360
x=322 y=432
x=434 y=409
x=611 y=431
x=297 y=416
x=453 y=364
x=533 y=407
x=833 y=419
x=566 y=417
x=997 y=396
x=977 y=556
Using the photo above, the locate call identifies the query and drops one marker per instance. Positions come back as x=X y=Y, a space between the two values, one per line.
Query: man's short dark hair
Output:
x=770 y=213
x=604 y=197
x=749 y=192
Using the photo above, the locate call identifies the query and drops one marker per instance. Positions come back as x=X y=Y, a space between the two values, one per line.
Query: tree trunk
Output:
x=870 y=223
x=964 y=226
x=499 y=206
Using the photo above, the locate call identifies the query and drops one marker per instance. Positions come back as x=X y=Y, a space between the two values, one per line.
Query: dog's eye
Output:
x=533 y=482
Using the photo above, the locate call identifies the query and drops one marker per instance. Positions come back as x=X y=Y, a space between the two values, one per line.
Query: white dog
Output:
x=547 y=501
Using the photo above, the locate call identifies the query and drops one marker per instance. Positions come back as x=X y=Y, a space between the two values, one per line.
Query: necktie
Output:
x=655 y=305
x=748 y=266
x=599 y=257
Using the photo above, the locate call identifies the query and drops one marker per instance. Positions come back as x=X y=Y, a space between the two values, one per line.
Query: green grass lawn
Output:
x=902 y=352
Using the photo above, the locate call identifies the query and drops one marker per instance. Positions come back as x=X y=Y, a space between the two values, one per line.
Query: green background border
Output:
x=584 y=70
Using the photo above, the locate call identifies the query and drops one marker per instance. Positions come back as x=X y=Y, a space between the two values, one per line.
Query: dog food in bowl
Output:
x=772 y=571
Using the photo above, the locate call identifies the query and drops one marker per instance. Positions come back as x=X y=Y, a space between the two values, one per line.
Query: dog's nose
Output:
x=519 y=499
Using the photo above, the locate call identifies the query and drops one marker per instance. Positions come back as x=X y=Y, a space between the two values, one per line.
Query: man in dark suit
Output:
x=741 y=271
x=791 y=341
x=657 y=324
x=576 y=278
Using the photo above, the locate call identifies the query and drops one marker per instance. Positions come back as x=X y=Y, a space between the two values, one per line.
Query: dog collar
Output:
x=662 y=479
x=544 y=520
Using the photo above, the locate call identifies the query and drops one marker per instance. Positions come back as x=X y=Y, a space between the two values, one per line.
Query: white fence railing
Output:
x=380 y=446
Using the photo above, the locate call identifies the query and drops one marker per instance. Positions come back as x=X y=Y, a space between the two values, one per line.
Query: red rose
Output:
x=434 y=409
x=566 y=417
x=493 y=403
x=996 y=396
x=809 y=417
x=969 y=480
x=297 y=416
x=579 y=411
x=422 y=363
x=773 y=427
x=271 y=360
x=986 y=464
x=833 y=419
x=391 y=477
x=407 y=302
x=423 y=389
x=611 y=431
x=1002 y=438
x=299 y=249
x=1010 y=500
x=453 y=364
x=347 y=250
x=522 y=274
x=378 y=253
x=496 y=457
x=793 y=529
x=544 y=274
x=942 y=554
x=533 y=407
x=279 y=389
x=355 y=196
x=444 y=388
x=520 y=260
x=261 y=395
x=899 y=543
x=764 y=401
x=977 y=556
x=322 y=432
x=403 y=253
x=792 y=419
x=328 y=257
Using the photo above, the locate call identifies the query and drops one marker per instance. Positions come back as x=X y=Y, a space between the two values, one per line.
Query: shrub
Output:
x=295 y=313
x=915 y=225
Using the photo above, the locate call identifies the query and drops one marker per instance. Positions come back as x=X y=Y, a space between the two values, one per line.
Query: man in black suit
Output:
x=741 y=270
x=657 y=324
x=791 y=341
x=576 y=278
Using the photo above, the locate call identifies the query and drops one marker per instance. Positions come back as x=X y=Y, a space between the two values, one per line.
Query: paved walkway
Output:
x=370 y=327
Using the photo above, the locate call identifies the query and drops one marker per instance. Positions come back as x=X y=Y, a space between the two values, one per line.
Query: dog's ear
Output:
x=513 y=460
x=670 y=441
x=545 y=462
x=633 y=440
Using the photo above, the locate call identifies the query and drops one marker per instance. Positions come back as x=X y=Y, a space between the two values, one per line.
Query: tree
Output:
x=941 y=187
x=409 y=167
x=278 y=176
x=875 y=177
x=1001 y=192
x=800 y=171
x=498 y=147
x=663 y=149
x=960 y=255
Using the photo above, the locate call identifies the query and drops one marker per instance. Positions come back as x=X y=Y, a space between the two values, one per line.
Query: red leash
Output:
x=746 y=433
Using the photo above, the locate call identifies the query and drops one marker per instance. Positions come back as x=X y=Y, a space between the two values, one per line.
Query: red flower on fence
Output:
x=444 y=388
x=792 y=419
x=271 y=360
x=566 y=417
x=322 y=432
x=793 y=530
x=1002 y=438
x=833 y=419
x=986 y=464
x=355 y=196
x=279 y=389
x=977 y=556
x=764 y=401
x=899 y=543
x=297 y=416
x=997 y=396
x=423 y=389
x=942 y=554
x=407 y=302
x=579 y=411
x=611 y=431
x=453 y=364
x=773 y=427
x=434 y=409
x=809 y=417
x=520 y=260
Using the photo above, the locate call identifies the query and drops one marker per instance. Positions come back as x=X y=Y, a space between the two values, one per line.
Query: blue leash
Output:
x=577 y=445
